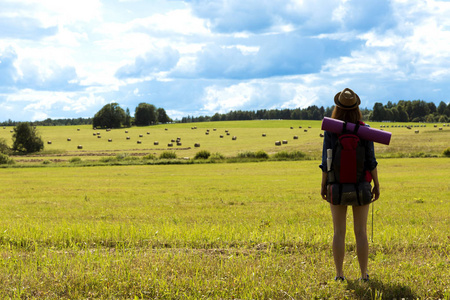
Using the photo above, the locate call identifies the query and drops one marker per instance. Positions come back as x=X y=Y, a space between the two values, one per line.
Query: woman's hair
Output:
x=351 y=115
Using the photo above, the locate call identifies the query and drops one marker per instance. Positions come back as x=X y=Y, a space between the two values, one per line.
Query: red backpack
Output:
x=347 y=179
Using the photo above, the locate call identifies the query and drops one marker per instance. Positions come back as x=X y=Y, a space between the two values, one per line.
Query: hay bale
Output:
x=285 y=142
x=166 y=129
x=234 y=138
x=139 y=142
x=197 y=145
x=49 y=142
x=295 y=137
x=277 y=143
x=214 y=129
x=169 y=145
x=172 y=140
x=128 y=137
x=292 y=127
x=79 y=147
x=109 y=140
x=94 y=134
x=156 y=143
x=321 y=135
x=69 y=139
x=148 y=132
x=306 y=130
x=99 y=136
x=263 y=134
x=440 y=128
x=78 y=129
x=126 y=131
x=179 y=143
x=417 y=131
x=228 y=133
x=221 y=136
x=207 y=132
x=141 y=135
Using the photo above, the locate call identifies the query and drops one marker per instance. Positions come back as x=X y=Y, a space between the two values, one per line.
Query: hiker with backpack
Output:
x=348 y=166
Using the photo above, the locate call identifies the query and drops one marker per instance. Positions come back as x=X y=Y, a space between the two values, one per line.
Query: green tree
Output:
x=26 y=139
x=379 y=112
x=162 y=116
x=394 y=115
x=110 y=116
x=127 y=118
x=443 y=119
x=145 y=114
x=432 y=107
x=402 y=114
x=430 y=118
x=441 y=108
x=3 y=146
x=420 y=110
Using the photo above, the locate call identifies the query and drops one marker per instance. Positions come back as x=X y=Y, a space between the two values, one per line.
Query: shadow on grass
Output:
x=375 y=289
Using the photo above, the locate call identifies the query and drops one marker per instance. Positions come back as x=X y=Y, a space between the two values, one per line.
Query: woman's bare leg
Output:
x=339 y=213
x=360 y=214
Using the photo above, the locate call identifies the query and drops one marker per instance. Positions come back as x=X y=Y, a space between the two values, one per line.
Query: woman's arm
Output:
x=376 y=185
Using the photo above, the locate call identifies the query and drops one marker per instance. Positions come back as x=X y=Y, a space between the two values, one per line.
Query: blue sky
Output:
x=66 y=59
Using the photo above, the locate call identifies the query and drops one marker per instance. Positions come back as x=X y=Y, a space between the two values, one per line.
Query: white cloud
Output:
x=222 y=100
x=39 y=116
x=85 y=103
x=180 y=21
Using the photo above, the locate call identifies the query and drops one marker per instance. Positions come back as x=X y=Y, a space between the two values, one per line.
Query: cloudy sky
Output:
x=66 y=59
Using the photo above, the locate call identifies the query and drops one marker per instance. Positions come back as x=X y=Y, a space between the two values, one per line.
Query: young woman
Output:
x=347 y=109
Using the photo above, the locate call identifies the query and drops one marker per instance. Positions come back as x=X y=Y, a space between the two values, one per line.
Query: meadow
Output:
x=299 y=135
x=243 y=230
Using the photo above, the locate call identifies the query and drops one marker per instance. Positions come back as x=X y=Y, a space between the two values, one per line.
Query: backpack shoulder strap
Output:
x=357 y=125
x=344 y=127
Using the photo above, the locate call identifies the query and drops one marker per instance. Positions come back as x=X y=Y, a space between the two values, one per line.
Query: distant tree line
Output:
x=110 y=116
x=403 y=111
x=310 y=113
x=51 y=122
x=411 y=111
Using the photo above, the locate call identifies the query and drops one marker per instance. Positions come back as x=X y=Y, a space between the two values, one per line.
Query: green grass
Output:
x=220 y=231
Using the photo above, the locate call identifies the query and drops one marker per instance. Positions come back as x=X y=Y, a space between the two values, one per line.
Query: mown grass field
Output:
x=219 y=231
x=430 y=141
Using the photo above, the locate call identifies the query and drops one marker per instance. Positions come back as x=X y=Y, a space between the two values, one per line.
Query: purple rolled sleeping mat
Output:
x=364 y=132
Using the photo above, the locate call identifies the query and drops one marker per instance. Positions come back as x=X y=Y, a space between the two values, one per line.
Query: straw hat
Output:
x=347 y=99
